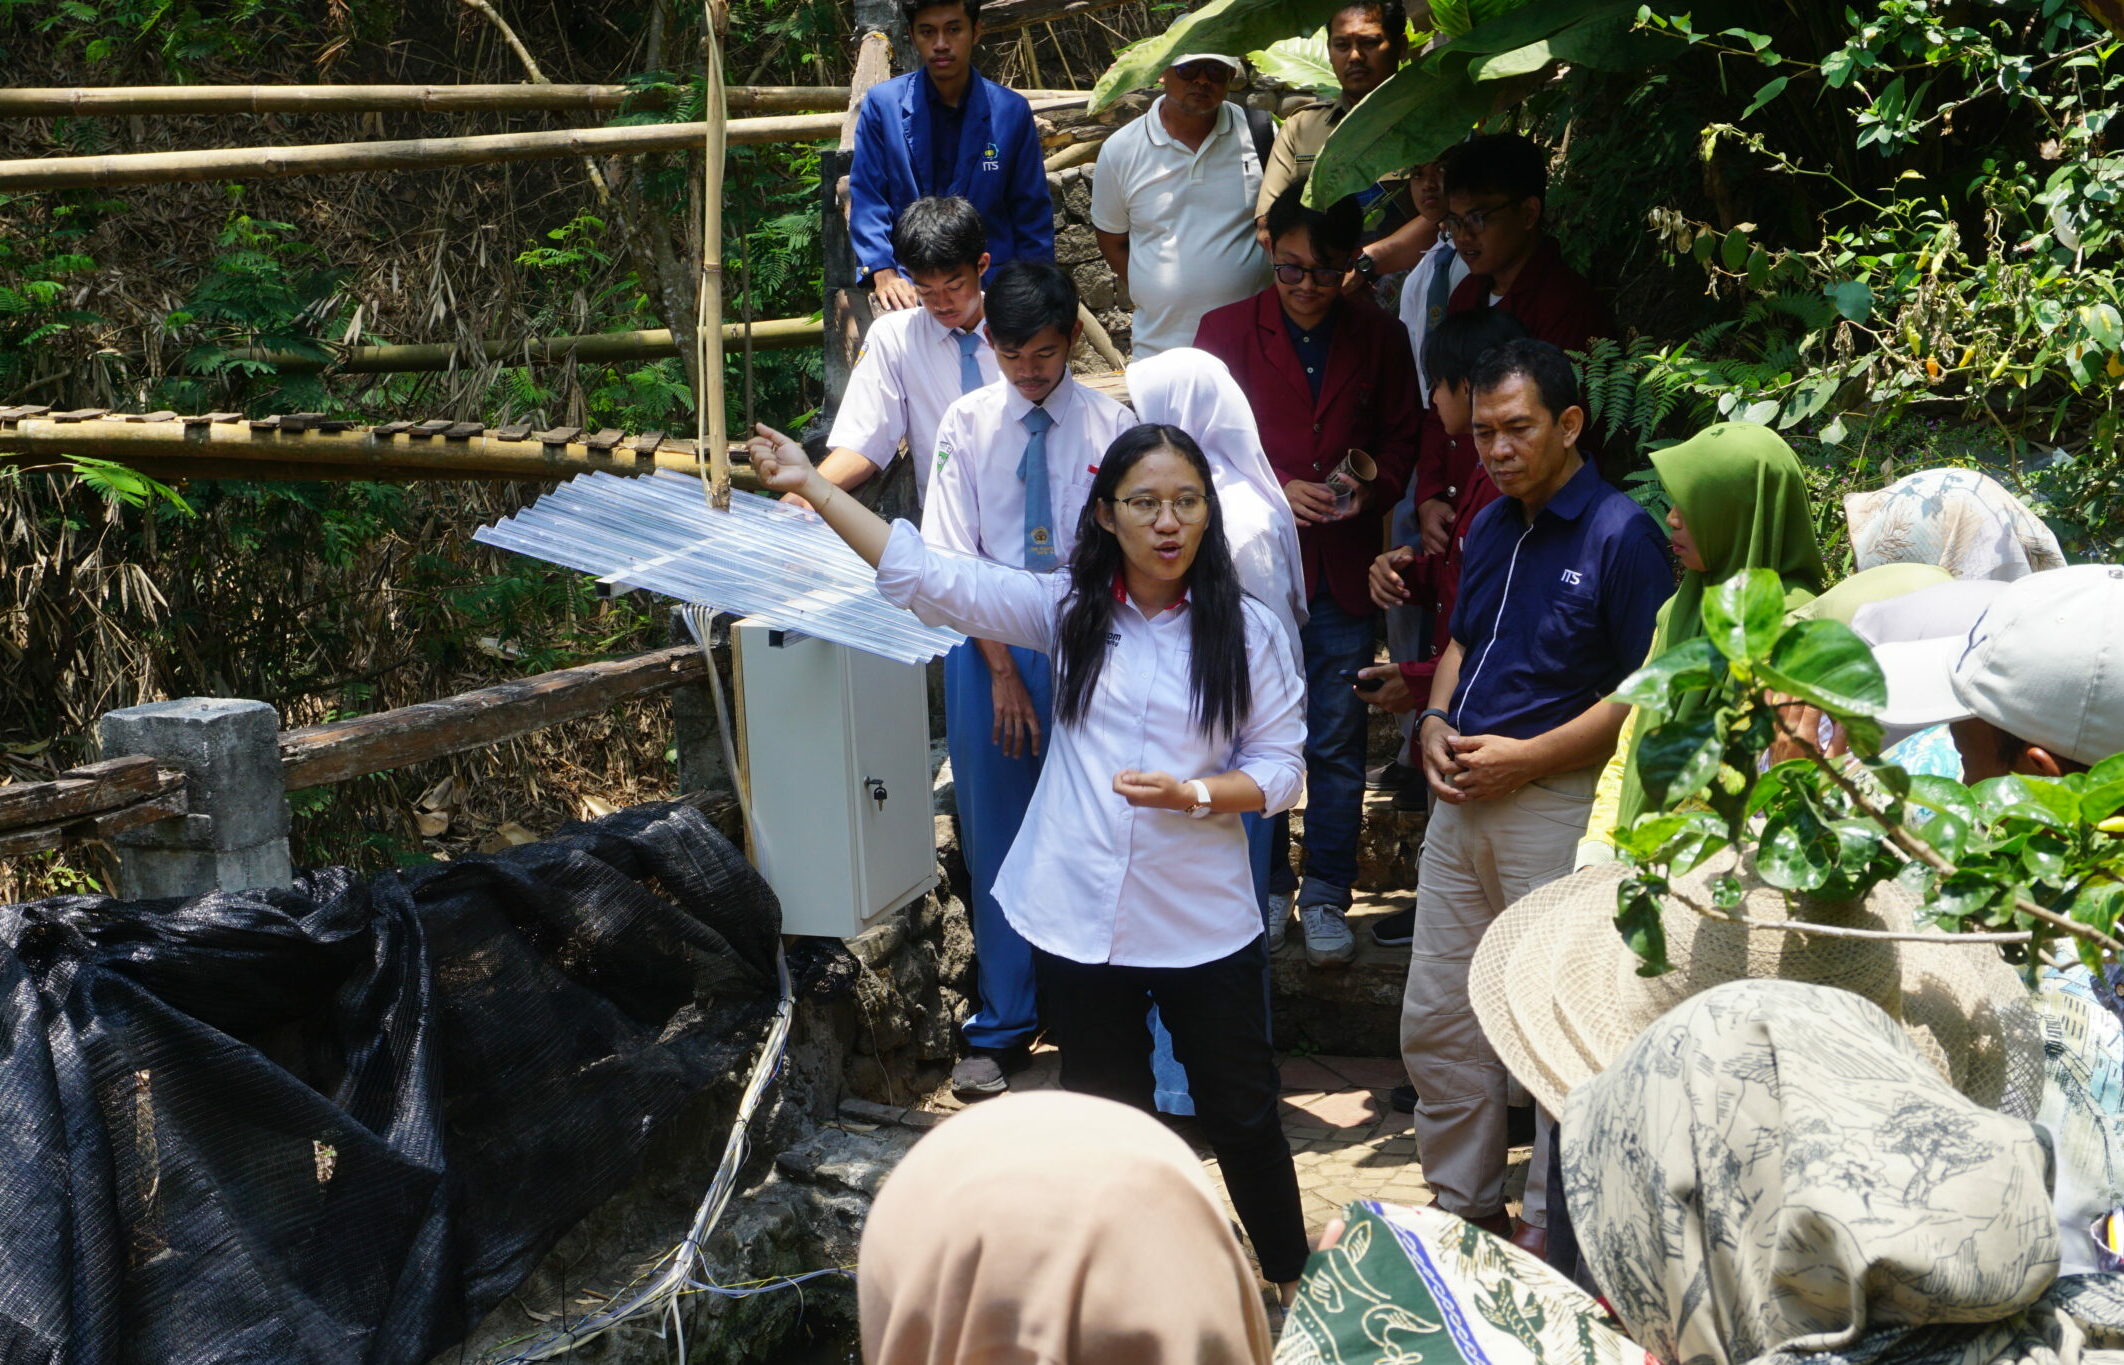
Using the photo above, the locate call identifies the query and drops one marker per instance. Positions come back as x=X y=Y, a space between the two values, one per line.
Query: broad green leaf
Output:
x=2056 y=797
x=1638 y=920
x=1762 y=413
x=1677 y=760
x=1220 y=26
x=1853 y=298
x=1943 y=794
x=1429 y=105
x=1733 y=251
x=1825 y=663
x=2003 y=799
x=1775 y=783
x=1301 y=63
x=1692 y=666
x=1411 y=118
x=1769 y=92
x=2045 y=854
x=2103 y=791
x=1798 y=852
x=2097 y=904
x=1965 y=893
x=1743 y=615
x=1947 y=832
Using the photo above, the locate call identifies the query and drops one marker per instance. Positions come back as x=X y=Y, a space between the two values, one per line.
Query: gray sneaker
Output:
x=978 y=1077
x=1279 y=922
x=1328 y=941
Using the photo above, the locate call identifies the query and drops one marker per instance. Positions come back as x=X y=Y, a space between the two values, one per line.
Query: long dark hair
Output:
x=1223 y=693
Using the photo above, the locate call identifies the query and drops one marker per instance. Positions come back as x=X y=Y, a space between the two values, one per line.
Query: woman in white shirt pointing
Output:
x=1176 y=711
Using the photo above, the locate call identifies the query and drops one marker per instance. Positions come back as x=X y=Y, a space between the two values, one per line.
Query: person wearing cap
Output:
x=1173 y=204
x=945 y=130
x=1560 y=584
x=2035 y=687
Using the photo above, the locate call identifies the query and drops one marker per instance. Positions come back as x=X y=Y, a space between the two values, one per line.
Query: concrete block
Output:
x=153 y=873
x=236 y=836
x=228 y=748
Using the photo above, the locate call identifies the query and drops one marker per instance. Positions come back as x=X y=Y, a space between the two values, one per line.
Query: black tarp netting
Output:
x=340 y=1122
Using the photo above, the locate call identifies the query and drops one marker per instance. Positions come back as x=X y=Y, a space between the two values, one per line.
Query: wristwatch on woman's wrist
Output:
x=1200 y=806
x=1366 y=266
x=1429 y=712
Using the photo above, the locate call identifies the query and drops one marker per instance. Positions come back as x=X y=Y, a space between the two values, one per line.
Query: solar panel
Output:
x=762 y=558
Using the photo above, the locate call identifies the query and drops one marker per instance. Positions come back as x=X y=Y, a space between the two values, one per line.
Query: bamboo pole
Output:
x=226 y=447
x=508 y=98
x=595 y=348
x=272 y=163
x=711 y=423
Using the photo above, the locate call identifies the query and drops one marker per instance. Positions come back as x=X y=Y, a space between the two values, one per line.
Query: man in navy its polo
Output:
x=945 y=130
x=1561 y=580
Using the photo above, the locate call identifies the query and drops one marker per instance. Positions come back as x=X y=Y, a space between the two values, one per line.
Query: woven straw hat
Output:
x=1558 y=994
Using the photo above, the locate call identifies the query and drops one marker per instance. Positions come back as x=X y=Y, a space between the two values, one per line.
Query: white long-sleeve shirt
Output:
x=907 y=375
x=1092 y=878
x=976 y=501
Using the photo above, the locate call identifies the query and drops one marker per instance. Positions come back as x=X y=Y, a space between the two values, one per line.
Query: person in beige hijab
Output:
x=1055 y=1229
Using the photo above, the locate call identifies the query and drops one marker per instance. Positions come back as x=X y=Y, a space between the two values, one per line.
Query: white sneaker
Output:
x=1328 y=941
x=1279 y=922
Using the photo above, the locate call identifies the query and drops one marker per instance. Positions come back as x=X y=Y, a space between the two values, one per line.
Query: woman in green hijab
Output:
x=1739 y=502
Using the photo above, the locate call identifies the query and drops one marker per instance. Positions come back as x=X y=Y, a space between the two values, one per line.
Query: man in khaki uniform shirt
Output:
x=1366 y=42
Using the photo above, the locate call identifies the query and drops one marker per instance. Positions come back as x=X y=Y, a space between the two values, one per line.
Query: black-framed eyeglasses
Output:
x=1456 y=224
x=1216 y=73
x=1322 y=274
x=1143 y=509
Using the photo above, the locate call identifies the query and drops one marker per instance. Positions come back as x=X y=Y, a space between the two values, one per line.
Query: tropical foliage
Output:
x=2033 y=858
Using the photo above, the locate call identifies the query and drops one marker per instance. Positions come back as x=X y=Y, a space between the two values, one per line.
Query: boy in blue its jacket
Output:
x=946 y=130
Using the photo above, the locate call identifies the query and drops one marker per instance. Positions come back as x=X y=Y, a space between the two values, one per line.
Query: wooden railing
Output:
x=114 y=801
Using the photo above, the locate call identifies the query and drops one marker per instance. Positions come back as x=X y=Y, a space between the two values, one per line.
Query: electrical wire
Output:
x=683 y=1268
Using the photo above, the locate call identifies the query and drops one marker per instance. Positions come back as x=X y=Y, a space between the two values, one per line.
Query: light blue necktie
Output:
x=1039 y=498
x=969 y=366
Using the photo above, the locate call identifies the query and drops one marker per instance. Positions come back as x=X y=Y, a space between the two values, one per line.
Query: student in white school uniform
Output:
x=1178 y=711
x=1014 y=464
x=916 y=362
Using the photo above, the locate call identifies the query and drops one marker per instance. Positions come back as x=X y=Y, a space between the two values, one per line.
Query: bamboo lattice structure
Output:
x=507 y=98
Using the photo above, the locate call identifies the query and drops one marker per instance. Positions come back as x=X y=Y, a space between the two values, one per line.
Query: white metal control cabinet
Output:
x=836 y=749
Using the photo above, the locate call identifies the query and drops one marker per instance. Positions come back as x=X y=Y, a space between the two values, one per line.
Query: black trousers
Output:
x=1218 y=1013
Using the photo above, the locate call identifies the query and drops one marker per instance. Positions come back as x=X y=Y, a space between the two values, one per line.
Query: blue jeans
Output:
x=993 y=792
x=1335 y=642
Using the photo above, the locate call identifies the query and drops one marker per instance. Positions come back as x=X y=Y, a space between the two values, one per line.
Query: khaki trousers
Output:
x=1477 y=859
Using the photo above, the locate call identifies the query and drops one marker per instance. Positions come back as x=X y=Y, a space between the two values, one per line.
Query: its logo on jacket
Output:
x=991 y=160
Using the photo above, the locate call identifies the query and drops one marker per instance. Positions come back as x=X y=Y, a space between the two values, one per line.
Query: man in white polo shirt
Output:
x=1173 y=204
x=917 y=362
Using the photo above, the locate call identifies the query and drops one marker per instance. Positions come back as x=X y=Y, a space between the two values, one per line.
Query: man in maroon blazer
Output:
x=1496 y=189
x=1325 y=375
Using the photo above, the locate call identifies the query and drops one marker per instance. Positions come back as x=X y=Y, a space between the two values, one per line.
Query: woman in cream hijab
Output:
x=1192 y=390
x=1055 y=1229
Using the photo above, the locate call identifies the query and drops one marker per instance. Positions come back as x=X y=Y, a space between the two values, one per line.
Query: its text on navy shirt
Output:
x=1553 y=616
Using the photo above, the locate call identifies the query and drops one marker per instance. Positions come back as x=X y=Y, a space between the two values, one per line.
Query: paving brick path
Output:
x=1347 y=1141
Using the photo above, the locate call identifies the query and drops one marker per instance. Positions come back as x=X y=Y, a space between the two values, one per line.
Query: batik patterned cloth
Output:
x=2083 y=1110
x=1406 y=1285
x=1772 y=1173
